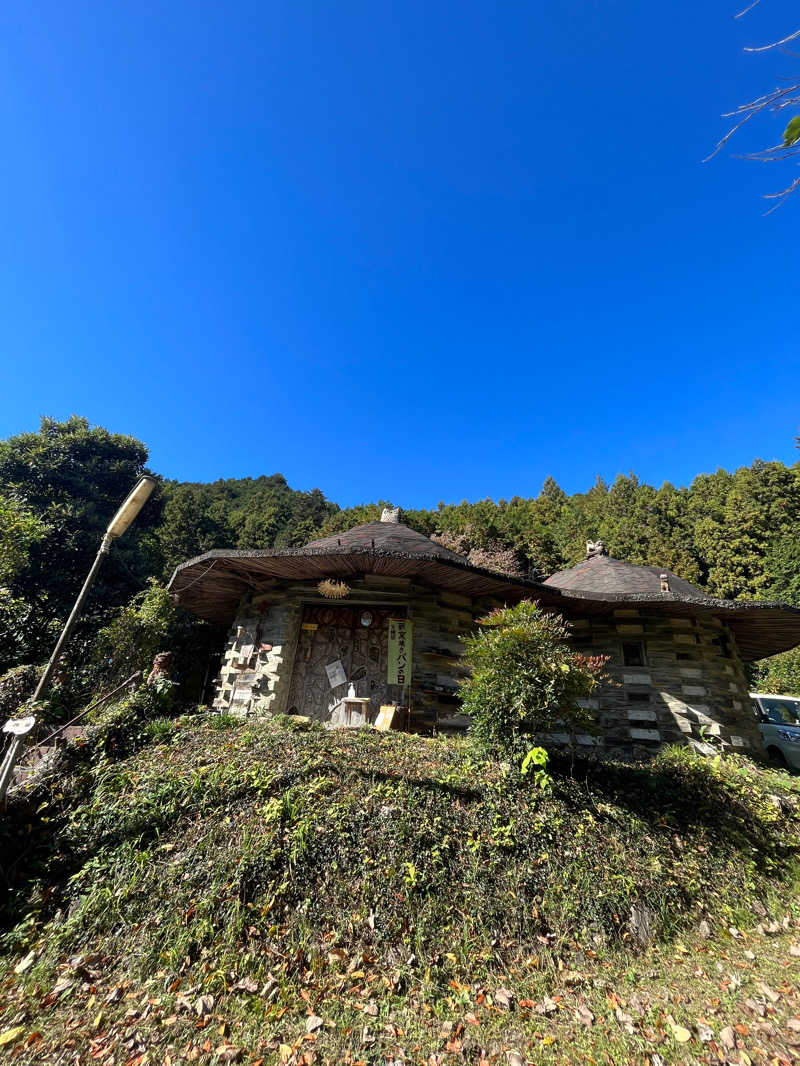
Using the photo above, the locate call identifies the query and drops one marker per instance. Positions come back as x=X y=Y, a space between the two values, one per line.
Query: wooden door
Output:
x=356 y=636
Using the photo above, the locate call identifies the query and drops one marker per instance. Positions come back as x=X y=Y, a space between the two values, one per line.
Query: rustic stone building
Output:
x=382 y=607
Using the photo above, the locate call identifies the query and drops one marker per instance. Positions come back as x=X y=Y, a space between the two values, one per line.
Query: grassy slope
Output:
x=201 y=899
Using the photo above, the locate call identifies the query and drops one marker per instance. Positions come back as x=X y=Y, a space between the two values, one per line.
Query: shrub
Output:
x=524 y=679
x=121 y=728
x=139 y=631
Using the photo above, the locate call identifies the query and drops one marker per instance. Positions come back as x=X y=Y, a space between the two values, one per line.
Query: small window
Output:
x=638 y=697
x=724 y=645
x=633 y=653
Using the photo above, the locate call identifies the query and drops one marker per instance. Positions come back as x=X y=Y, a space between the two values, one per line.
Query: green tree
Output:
x=20 y=529
x=71 y=477
x=524 y=679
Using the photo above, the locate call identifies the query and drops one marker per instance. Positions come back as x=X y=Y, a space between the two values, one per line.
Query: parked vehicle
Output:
x=779 y=720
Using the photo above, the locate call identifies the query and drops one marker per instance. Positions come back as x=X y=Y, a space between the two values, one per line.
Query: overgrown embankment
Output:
x=289 y=874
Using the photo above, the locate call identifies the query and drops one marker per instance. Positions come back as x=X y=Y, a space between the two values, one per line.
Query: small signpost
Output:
x=18 y=728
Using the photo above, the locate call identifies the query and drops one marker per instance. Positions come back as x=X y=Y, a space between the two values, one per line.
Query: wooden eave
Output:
x=212 y=585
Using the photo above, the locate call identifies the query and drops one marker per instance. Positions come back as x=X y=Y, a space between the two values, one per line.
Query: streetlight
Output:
x=19 y=727
x=131 y=506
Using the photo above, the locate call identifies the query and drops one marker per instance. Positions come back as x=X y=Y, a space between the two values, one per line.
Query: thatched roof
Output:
x=603 y=574
x=212 y=584
x=600 y=583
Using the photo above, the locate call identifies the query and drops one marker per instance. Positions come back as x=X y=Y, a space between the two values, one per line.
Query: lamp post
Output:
x=131 y=506
x=18 y=728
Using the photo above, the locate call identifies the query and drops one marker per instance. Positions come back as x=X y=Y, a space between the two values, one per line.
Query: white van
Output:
x=779 y=720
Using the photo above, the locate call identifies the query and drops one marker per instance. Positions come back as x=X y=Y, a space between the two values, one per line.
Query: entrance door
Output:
x=356 y=636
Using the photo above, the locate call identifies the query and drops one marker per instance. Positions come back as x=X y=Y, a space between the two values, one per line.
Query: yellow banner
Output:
x=400 y=635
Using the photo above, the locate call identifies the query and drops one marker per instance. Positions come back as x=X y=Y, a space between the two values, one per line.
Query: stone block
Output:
x=644 y=734
x=642 y=714
x=691 y=671
x=553 y=738
x=637 y=679
x=693 y=690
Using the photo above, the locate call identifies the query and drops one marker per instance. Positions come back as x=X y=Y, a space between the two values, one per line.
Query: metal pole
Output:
x=70 y=623
x=7 y=769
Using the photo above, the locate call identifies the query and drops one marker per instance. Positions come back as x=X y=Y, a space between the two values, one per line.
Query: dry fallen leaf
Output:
x=228 y=1053
x=727 y=1038
x=10 y=1036
x=503 y=998
x=547 y=1006
x=584 y=1015
x=313 y=1022
x=203 y=1005
x=25 y=963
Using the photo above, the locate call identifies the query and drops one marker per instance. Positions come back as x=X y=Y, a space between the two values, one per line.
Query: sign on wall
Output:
x=400 y=631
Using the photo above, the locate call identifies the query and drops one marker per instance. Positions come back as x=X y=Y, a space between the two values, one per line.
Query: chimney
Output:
x=595 y=548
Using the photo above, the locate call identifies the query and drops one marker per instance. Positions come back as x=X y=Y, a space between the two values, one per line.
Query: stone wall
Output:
x=690 y=687
x=257 y=662
x=255 y=677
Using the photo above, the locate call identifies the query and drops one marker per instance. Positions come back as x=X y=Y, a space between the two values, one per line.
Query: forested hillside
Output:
x=733 y=533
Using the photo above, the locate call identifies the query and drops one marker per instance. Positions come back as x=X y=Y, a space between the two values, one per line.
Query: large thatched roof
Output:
x=212 y=584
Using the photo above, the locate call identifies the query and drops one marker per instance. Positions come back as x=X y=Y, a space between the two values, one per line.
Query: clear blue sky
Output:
x=415 y=250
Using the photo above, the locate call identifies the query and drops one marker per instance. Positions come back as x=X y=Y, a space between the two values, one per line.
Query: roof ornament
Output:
x=595 y=548
x=665 y=582
x=390 y=514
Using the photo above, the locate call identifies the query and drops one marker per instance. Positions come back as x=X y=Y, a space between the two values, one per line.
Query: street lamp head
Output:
x=131 y=506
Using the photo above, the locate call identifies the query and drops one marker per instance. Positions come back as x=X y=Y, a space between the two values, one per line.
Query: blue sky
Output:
x=416 y=251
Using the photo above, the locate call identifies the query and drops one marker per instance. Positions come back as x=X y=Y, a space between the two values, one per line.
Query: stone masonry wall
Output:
x=257 y=663
x=691 y=687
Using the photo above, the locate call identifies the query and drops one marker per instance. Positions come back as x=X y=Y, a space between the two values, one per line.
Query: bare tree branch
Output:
x=775 y=44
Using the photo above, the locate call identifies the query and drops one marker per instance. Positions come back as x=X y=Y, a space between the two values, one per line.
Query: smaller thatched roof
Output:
x=602 y=574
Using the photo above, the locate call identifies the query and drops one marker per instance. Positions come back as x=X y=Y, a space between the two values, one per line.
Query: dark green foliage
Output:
x=71 y=478
x=16 y=686
x=131 y=641
x=524 y=679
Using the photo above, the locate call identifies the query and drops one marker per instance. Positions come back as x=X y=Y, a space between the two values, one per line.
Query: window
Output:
x=633 y=653
x=724 y=645
x=780 y=712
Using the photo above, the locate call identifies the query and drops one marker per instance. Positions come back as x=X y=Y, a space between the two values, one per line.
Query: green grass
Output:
x=387 y=883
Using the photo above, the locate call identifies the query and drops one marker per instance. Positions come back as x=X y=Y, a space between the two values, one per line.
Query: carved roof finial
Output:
x=594 y=548
x=390 y=514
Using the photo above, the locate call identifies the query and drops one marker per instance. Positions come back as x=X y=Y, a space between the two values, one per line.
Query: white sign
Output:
x=336 y=674
x=19 y=726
